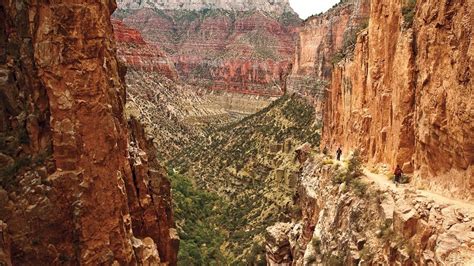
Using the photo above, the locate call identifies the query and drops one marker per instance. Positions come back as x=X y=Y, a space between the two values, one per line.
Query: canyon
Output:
x=221 y=46
x=174 y=132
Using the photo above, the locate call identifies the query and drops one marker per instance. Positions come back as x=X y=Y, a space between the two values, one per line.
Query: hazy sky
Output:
x=306 y=8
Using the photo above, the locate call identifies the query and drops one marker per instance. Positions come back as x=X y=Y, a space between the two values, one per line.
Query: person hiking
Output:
x=339 y=153
x=398 y=174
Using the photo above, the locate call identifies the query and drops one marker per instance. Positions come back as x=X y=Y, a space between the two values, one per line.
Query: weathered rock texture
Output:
x=234 y=50
x=320 y=39
x=72 y=192
x=399 y=87
x=269 y=6
x=139 y=55
x=353 y=223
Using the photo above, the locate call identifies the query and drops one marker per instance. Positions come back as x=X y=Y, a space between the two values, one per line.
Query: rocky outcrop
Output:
x=138 y=54
x=277 y=7
x=71 y=191
x=385 y=92
x=359 y=221
x=5 y=249
x=246 y=52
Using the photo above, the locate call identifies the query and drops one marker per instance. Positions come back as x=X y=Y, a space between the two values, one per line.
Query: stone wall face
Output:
x=65 y=190
x=444 y=114
x=398 y=99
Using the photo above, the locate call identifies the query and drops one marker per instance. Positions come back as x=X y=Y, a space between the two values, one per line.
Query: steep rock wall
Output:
x=397 y=95
x=66 y=179
x=319 y=40
x=444 y=114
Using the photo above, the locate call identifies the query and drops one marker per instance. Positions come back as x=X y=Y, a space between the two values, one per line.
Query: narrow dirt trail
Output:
x=383 y=182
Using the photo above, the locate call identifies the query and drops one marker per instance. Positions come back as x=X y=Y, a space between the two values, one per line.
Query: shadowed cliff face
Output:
x=79 y=183
x=394 y=74
x=229 y=50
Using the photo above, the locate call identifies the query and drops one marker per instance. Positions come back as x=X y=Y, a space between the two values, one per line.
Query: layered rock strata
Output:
x=140 y=55
x=70 y=192
x=234 y=50
x=269 y=6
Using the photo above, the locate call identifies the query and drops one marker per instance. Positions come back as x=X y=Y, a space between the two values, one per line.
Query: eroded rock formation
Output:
x=394 y=83
x=362 y=221
x=245 y=50
x=140 y=55
x=269 y=6
x=72 y=191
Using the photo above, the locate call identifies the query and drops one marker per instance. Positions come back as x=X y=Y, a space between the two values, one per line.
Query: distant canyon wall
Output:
x=400 y=88
x=79 y=181
x=228 y=46
x=271 y=6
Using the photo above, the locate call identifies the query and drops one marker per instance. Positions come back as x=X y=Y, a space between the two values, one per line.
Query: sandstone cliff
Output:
x=78 y=184
x=399 y=86
x=320 y=39
x=246 y=52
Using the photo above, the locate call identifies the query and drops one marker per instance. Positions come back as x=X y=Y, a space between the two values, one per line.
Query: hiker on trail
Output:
x=339 y=153
x=398 y=174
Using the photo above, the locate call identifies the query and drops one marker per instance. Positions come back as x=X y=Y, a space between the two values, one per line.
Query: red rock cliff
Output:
x=404 y=94
x=320 y=39
x=245 y=52
x=74 y=189
x=140 y=55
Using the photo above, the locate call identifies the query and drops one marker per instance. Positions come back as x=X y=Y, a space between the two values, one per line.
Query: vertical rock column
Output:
x=75 y=55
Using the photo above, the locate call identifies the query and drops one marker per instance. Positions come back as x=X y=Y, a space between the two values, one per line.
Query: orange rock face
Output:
x=71 y=186
x=320 y=39
x=403 y=97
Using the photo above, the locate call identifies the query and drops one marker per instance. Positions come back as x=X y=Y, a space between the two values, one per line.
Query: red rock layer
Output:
x=222 y=50
x=406 y=96
x=70 y=183
x=140 y=55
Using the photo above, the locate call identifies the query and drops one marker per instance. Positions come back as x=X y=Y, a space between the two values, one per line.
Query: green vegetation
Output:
x=349 y=42
x=197 y=215
x=350 y=175
x=289 y=19
x=236 y=164
x=316 y=242
x=408 y=11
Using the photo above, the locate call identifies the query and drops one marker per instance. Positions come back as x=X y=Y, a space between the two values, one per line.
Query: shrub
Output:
x=310 y=259
x=316 y=242
x=359 y=187
x=335 y=260
x=354 y=166
x=408 y=12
